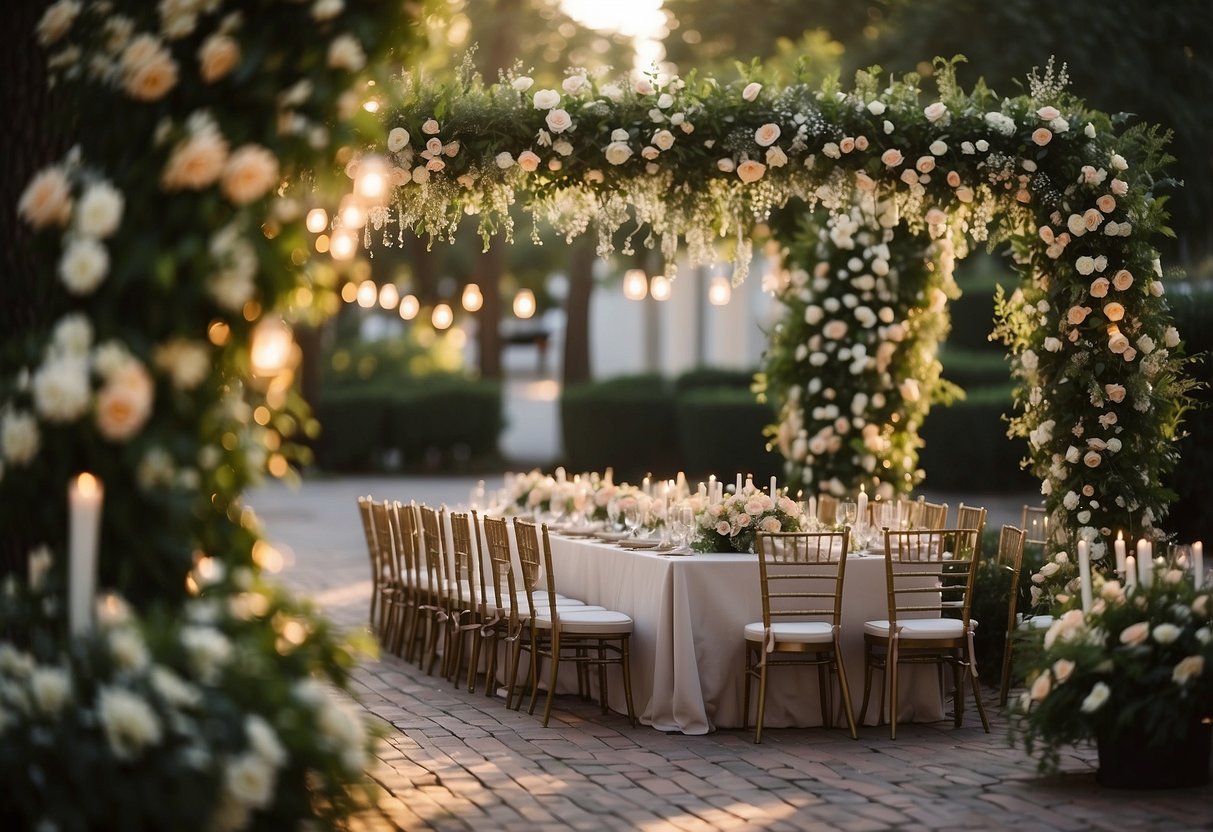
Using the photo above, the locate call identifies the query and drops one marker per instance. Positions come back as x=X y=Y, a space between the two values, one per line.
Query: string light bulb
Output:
x=720 y=291
x=317 y=220
x=635 y=284
x=524 y=304
x=661 y=287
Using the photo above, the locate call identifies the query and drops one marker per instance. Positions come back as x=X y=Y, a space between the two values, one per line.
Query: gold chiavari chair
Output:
x=589 y=636
x=1034 y=520
x=801 y=577
x=464 y=621
x=412 y=575
x=372 y=550
x=1010 y=556
x=390 y=589
x=401 y=596
x=929 y=515
x=438 y=593
x=929 y=572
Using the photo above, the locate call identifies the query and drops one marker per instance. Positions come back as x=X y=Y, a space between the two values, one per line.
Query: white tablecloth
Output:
x=688 y=648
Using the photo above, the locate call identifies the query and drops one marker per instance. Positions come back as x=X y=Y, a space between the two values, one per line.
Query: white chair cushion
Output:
x=941 y=628
x=1036 y=622
x=793 y=632
x=590 y=622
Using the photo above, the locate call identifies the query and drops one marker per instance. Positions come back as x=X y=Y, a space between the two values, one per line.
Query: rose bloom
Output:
x=864 y=182
x=249 y=173
x=892 y=157
x=57 y=19
x=196 y=162
x=1118 y=343
x=1091 y=219
x=1114 y=311
x=430 y=127
x=751 y=91
x=152 y=79
x=574 y=84
x=47 y=200
x=776 y=158
x=1119 y=187
x=1041 y=687
x=124 y=403
x=545 y=99
x=100 y=210
x=936 y=111
x=1092 y=459
x=846 y=145
x=1042 y=136
x=1077 y=314
x=936 y=217
x=84 y=264
x=1099 y=287
x=1135 y=633
x=594 y=176
x=1096 y=698
x=1062 y=668
x=767 y=134
x=1187 y=669
x=953 y=180
x=925 y=164
x=964 y=194
x=217 y=56
x=723 y=528
x=1165 y=633
x=1122 y=280
x=664 y=139
x=649 y=152
x=397 y=139
x=751 y=171
x=1106 y=203
x=528 y=161
x=345 y=52
x=558 y=120
x=618 y=152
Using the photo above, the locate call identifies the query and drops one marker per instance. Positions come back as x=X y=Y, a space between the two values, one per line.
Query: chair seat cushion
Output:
x=590 y=622
x=1036 y=622
x=941 y=628
x=793 y=632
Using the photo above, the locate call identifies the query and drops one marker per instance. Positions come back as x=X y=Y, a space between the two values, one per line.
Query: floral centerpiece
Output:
x=733 y=522
x=1135 y=671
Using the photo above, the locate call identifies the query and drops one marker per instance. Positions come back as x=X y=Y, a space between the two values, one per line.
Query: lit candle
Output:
x=609 y=476
x=84 y=496
x=1084 y=573
x=1130 y=572
x=738 y=491
x=813 y=508
x=773 y=488
x=1145 y=562
x=702 y=490
x=560 y=474
x=1198 y=563
x=861 y=508
x=645 y=484
x=681 y=483
x=1120 y=552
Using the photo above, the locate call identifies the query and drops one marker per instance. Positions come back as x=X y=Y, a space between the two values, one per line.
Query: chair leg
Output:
x=536 y=658
x=1004 y=685
x=762 y=699
x=958 y=693
x=748 y=679
x=602 y=678
x=824 y=685
x=547 y=708
x=867 y=681
x=474 y=662
x=490 y=667
x=512 y=677
x=844 y=689
x=981 y=707
x=626 y=661
x=891 y=672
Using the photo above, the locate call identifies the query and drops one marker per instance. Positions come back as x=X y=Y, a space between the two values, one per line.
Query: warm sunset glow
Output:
x=641 y=20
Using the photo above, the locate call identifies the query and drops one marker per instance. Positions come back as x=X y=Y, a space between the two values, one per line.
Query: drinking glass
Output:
x=683 y=524
x=476 y=499
x=632 y=518
x=847 y=512
x=613 y=512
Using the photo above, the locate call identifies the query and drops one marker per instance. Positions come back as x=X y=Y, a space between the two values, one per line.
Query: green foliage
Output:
x=720 y=431
x=620 y=423
x=1191 y=516
x=966 y=449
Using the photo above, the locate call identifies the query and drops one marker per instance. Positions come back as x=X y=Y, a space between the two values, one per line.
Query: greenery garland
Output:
x=853 y=363
x=173 y=234
x=1072 y=191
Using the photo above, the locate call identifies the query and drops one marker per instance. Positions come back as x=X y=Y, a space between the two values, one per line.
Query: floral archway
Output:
x=685 y=162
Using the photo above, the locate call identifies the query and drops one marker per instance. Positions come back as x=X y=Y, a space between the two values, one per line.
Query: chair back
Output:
x=1034 y=520
x=802 y=575
x=930 y=571
x=497 y=538
x=395 y=570
x=1010 y=556
x=972 y=517
x=463 y=561
x=535 y=564
x=433 y=544
x=924 y=515
x=409 y=544
x=384 y=555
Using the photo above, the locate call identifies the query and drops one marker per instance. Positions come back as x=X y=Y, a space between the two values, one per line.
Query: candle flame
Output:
x=87 y=485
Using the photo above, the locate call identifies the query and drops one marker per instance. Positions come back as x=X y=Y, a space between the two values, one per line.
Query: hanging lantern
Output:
x=524 y=304
x=720 y=291
x=661 y=287
x=635 y=284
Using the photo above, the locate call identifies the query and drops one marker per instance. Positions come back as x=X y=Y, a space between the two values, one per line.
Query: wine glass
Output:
x=613 y=512
x=632 y=518
x=847 y=512
x=682 y=524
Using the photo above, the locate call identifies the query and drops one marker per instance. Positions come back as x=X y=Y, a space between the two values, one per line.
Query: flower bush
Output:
x=1140 y=660
x=734 y=522
x=170 y=236
x=1074 y=194
x=852 y=365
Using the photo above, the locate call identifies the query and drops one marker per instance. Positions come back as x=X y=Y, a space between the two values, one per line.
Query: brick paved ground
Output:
x=454 y=761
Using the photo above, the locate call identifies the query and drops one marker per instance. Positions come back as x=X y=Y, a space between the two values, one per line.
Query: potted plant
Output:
x=1134 y=673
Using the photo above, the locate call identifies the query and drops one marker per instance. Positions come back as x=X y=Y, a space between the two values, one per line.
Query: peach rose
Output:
x=196 y=162
x=1078 y=314
x=57 y=19
x=153 y=79
x=1048 y=113
x=936 y=111
x=124 y=403
x=1119 y=187
x=861 y=142
x=1122 y=280
x=528 y=161
x=892 y=157
x=1042 y=136
x=1106 y=203
x=217 y=56
x=846 y=145
x=1114 y=311
x=864 y=182
x=1099 y=287
x=964 y=194
x=1118 y=343
x=250 y=172
x=1091 y=219
x=1091 y=459
x=47 y=200
x=953 y=179
x=751 y=171
x=1135 y=634
x=925 y=164
x=1114 y=392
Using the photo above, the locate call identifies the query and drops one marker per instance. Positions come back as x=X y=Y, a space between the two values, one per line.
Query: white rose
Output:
x=50 y=688
x=397 y=139
x=61 y=389
x=345 y=52
x=664 y=139
x=522 y=83
x=546 y=99
x=187 y=362
x=19 y=437
x=558 y=120
x=1096 y=698
x=249 y=780
x=618 y=152
x=934 y=112
x=1070 y=501
x=84 y=264
x=99 y=211
x=1165 y=633
x=776 y=158
x=1000 y=123
x=128 y=721
x=751 y=91
x=574 y=84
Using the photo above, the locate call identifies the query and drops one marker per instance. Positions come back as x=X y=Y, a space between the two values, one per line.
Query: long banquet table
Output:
x=688 y=651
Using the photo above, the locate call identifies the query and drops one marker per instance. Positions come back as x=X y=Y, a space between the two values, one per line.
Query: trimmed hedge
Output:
x=966 y=447
x=720 y=432
x=410 y=426
x=626 y=423
x=974 y=368
x=1191 y=515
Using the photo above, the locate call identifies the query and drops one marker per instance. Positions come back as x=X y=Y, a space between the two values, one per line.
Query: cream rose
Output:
x=528 y=161
x=767 y=134
x=47 y=200
x=751 y=91
x=1099 y=287
x=934 y=112
x=664 y=139
x=56 y=20
x=1114 y=392
x=1077 y=314
x=751 y=171
x=397 y=139
x=345 y=52
x=1096 y=698
x=250 y=172
x=217 y=56
x=1122 y=280
x=150 y=72
x=1113 y=311
x=19 y=437
x=195 y=163
x=84 y=265
x=1188 y=668
x=574 y=84
x=124 y=403
x=776 y=158
x=1092 y=459
x=1118 y=343
x=618 y=152
x=892 y=157
x=1135 y=634
x=100 y=210
x=558 y=120
x=1041 y=687
x=545 y=99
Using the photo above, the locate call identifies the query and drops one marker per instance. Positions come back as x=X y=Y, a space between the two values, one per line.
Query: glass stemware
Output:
x=682 y=524
x=847 y=512
x=632 y=519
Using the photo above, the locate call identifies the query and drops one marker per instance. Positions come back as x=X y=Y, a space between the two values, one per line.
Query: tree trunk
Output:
x=487 y=271
x=577 y=311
